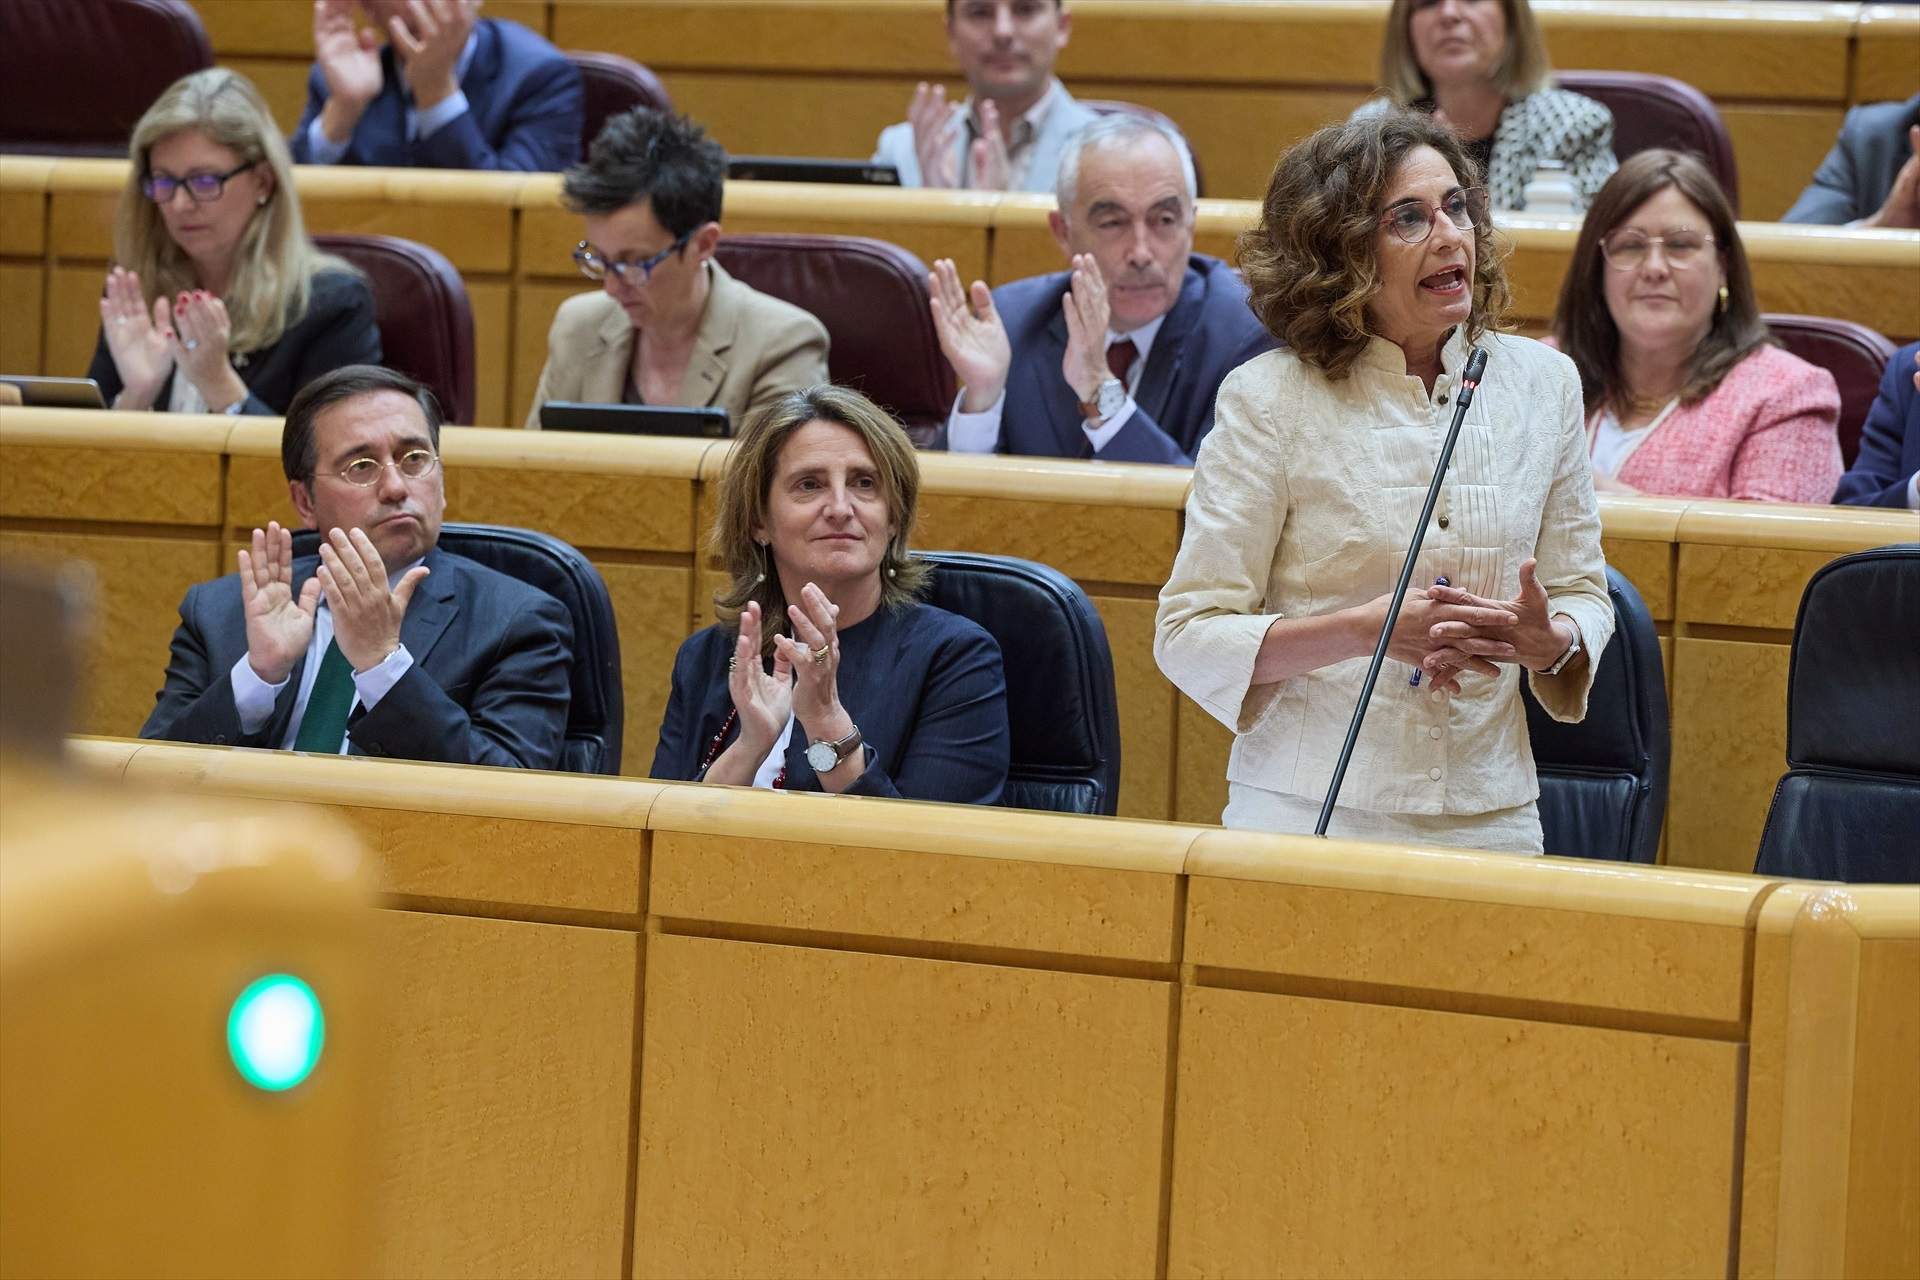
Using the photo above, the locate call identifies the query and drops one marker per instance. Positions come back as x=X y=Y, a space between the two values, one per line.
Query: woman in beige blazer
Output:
x=1373 y=263
x=670 y=327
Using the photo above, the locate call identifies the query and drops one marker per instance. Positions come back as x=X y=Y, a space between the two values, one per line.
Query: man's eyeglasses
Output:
x=595 y=267
x=202 y=188
x=1627 y=249
x=364 y=473
x=1412 y=221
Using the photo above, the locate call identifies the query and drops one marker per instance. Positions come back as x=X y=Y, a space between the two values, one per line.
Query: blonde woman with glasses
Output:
x=218 y=302
x=1686 y=394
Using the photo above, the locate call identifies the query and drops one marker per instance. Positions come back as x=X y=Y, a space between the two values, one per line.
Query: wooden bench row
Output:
x=651 y=1029
x=513 y=243
x=156 y=504
x=1243 y=77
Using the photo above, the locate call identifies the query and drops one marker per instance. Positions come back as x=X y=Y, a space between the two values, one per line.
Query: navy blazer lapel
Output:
x=485 y=67
x=1157 y=380
x=432 y=609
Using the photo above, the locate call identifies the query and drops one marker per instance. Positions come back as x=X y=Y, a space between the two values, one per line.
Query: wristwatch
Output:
x=1573 y=651
x=1107 y=399
x=826 y=756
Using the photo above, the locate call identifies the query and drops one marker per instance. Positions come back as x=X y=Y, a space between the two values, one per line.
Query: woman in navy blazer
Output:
x=828 y=673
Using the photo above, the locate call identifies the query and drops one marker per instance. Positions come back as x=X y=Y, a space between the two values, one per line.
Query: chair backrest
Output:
x=872 y=297
x=1603 y=782
x=1658 y=111
x=1062 y=713
x=81 y=73
x=596 y=715
x=613 y=84
x=1848 y=807
x=1855 y=355
x=1113 y=106
x=420 y=304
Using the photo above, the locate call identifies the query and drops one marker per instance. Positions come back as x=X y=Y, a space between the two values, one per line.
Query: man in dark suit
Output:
x=1871 y=178
x=450 y=90
x=1118 y=357
x=382 y=644
x=1887 y=471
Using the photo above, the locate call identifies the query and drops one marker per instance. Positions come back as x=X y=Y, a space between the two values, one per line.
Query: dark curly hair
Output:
x=1310 y=262
x=645 y=154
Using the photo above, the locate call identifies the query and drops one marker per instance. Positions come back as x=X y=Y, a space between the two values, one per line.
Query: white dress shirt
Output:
x=253 y=697
x=1304 y=497
x=420 y=124
x=980 y=432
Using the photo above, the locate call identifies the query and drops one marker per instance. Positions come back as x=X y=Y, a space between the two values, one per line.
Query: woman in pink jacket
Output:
x=1686 y=395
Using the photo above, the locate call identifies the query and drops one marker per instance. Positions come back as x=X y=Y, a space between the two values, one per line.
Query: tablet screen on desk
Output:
x=811 y=169
x=635 y=419
x=56 y=393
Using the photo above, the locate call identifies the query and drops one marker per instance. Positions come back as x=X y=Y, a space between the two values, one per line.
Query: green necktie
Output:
x=324 y=726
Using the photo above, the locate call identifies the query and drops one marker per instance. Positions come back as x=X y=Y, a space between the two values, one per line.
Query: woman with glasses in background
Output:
x=671 y=327
x=218 y=302
x=1685 y=393
x=1375 y=266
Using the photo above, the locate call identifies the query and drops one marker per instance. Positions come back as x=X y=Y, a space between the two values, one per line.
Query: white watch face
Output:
x=1112 y=394
x=822 y=756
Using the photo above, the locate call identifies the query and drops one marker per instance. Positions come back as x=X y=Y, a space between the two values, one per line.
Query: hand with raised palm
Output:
x=972 y=336
x=279 y=623
x=140 y=341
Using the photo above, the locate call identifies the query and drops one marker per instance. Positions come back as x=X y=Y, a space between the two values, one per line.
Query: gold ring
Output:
x=822 y=653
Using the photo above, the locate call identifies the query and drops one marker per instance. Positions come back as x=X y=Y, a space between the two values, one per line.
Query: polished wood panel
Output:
x=25 y=289
x=137 y=585
x=1883 y=1175
x=492 y=303
x=1729 y=721
x=1549 y=1149
x=783 y=1131
x=507 y=1118
x=23 y=210
x=651 y=608
x=1887 y=49
x=842 y=889
x=1202 y=747
x=1775 y=151
x=1146 y=709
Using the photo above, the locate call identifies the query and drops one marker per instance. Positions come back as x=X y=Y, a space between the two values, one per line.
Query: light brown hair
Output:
x=274 y=269
x=1523 y=67
x=1311 y=263
x=744 y=489
x=1584 y=327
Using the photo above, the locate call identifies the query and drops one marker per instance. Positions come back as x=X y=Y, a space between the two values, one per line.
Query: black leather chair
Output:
x=597 y=713
x=1658 y=111
x=1603 y=782
x=872 y=297
x=425 y=320
x=613 y=84
x=1062 y=714
x=81 y=73
x=1855 y=355
x=1848 y=807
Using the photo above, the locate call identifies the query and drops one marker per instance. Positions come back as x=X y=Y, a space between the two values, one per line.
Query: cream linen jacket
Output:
x=1304 y=497
x=750 y=350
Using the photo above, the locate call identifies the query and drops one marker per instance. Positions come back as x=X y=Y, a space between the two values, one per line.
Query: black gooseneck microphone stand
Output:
x=1469 y=383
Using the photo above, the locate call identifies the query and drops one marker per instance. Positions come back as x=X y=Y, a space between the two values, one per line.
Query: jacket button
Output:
x=1443 y=397
x=1434 y=732
x=1445 y=521
x=1434 y=774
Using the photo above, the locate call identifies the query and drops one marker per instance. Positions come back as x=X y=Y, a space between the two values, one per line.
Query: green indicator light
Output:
x=275 y=1031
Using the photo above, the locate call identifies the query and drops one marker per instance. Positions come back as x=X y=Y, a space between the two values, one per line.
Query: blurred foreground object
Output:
x=185 y=1017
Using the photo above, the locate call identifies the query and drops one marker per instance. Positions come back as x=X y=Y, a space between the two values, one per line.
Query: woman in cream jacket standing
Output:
x=1374 y=264
x=671 y=327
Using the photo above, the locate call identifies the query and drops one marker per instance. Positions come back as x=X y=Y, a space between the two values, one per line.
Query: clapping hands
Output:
x=141 y=342
x=972 y=335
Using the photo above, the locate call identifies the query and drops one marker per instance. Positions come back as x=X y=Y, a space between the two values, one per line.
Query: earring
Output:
x=1723 y=297
x=759 y=565
x=261 y=202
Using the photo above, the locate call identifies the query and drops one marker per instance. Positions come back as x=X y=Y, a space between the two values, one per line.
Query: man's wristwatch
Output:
x=1107 y=399
x=1573 y=651
x=826 y=756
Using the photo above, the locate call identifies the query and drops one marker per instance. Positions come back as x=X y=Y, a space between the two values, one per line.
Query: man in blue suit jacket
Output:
x=383 y=644
x=1887 y=471
x=449 y=91
x=1119 y=357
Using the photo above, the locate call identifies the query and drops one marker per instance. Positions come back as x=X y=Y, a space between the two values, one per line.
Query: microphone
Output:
x=1469 y=383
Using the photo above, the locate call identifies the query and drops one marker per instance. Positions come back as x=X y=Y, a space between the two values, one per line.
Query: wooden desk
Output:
x=666 y=1029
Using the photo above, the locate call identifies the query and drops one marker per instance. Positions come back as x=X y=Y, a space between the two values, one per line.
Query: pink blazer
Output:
x=1768 y=433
